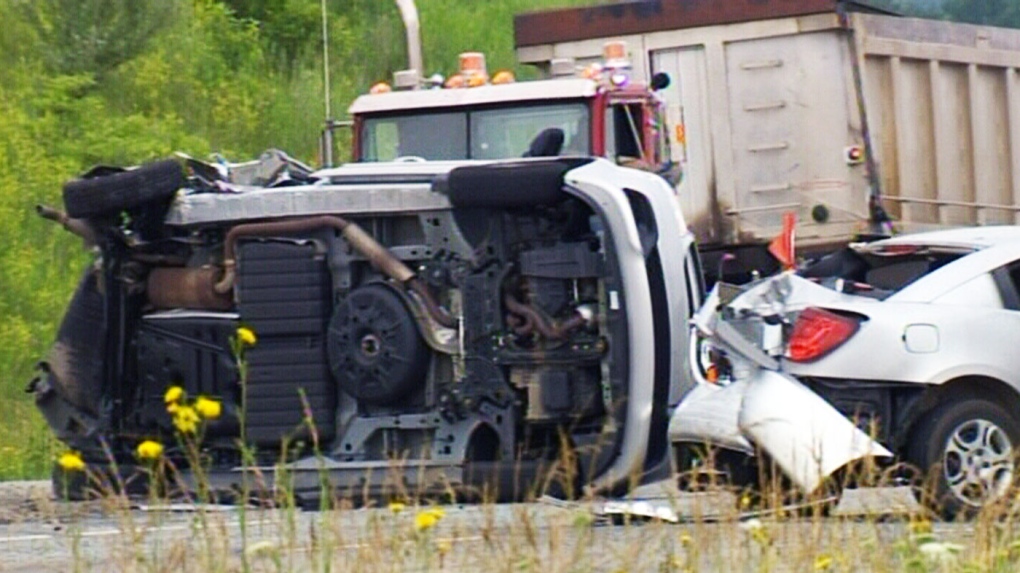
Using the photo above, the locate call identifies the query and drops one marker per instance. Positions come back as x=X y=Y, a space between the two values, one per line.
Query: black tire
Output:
x=77 y=357
x=996 y=436
x=511 y=185
x=111 y=194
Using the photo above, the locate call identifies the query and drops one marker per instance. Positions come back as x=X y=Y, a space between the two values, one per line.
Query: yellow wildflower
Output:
x=443 y=546
x=173 y=395
x=396 y=506
x=208 y=408
x=920 y=526
x=172 y=407
x=246 y=336
x=186 y=420
x=437 y=512
x=71 y=461
x=149 y=450
x=425 y=520
x=823 y=563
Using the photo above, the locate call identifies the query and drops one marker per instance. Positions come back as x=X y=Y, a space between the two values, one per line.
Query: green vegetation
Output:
x=1004 y=13
x=86 y=82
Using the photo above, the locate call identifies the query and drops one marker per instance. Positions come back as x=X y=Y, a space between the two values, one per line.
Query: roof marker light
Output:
x=380 y=88
x=455 y=81
x=592 y=72
x=472 y=67
x=614 y=54
x=503 y=77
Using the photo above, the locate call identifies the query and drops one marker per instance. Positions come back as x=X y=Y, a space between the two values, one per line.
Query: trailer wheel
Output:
x=112 y=193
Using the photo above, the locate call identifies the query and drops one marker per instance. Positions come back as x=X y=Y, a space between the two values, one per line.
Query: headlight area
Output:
x=709 y=364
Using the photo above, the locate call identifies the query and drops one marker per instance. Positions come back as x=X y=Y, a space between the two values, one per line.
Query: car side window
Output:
x=1007 y=279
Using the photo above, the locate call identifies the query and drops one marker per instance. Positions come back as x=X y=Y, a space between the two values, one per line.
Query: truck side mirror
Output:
x=660 y=81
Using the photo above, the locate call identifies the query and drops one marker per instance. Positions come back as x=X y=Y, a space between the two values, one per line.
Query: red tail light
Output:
x=817 y=332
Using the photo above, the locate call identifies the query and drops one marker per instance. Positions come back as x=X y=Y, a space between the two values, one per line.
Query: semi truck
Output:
x=858 y=120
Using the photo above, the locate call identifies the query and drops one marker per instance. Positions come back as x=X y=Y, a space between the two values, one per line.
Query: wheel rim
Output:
x=978 y=463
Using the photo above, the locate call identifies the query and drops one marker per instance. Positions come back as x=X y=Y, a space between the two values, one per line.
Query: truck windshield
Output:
x=488 y=133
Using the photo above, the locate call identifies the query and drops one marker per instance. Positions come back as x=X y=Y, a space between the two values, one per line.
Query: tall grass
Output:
x=417 y=534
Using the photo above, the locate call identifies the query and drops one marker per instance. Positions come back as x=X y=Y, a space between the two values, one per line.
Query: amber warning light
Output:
x=614 y=54
x=472 y=64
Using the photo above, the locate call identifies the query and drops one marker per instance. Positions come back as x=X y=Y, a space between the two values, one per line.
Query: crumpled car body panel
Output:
x=765 y=407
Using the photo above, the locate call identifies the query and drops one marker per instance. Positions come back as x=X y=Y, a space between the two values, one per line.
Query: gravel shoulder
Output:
x=26 y=501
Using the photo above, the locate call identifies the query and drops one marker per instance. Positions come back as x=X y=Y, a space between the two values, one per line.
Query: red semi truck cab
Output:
x=599 y=108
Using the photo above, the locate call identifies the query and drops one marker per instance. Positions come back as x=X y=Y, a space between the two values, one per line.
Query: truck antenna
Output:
x=327 y=132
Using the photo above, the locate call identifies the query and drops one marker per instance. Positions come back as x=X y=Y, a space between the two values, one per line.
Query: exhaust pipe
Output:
x=409 y=12
x=79 y=227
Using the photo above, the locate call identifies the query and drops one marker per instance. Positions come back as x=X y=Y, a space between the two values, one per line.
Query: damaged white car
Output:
x=914 y=339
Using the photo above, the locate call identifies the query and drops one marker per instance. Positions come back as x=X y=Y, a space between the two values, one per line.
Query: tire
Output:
x=509 y=186
x=113 y=193
x=77 y=357
x=955 y=441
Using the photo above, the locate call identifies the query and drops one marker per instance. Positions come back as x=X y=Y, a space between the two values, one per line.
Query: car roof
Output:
x=970 y=238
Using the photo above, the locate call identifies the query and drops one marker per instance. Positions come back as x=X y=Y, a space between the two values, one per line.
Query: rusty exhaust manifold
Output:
x=377 y=255
x=535 y=320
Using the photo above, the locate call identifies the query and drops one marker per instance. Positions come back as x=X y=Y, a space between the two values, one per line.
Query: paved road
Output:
x=45 y=536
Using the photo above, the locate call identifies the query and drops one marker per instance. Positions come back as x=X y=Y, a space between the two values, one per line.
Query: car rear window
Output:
x=876 y=275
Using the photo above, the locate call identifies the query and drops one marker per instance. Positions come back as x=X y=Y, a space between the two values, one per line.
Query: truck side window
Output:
x=624 y=136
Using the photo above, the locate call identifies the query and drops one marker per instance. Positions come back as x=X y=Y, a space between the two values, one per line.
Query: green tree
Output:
x=1004 y=13
x=95 y=36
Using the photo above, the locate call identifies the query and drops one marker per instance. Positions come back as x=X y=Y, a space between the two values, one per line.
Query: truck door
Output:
x=690 y=141
x=635 y=136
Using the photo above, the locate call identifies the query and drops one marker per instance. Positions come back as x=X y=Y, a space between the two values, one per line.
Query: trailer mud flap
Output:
x=804 y=434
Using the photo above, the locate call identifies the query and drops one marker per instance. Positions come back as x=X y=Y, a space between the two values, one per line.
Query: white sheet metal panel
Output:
x=791 y=119
x=943 y=109
x=687 y=113
x=307 y=200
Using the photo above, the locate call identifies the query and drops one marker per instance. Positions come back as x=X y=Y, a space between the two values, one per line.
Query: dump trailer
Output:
x=858 y=120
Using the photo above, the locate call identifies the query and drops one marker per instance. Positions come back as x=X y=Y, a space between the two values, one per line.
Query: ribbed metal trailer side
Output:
x=943 y=105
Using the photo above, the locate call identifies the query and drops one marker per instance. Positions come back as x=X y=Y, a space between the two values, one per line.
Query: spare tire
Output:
x=375 y=351
x=111 y=194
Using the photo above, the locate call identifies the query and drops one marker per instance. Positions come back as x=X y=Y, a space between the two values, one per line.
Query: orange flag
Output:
x=782 y=246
